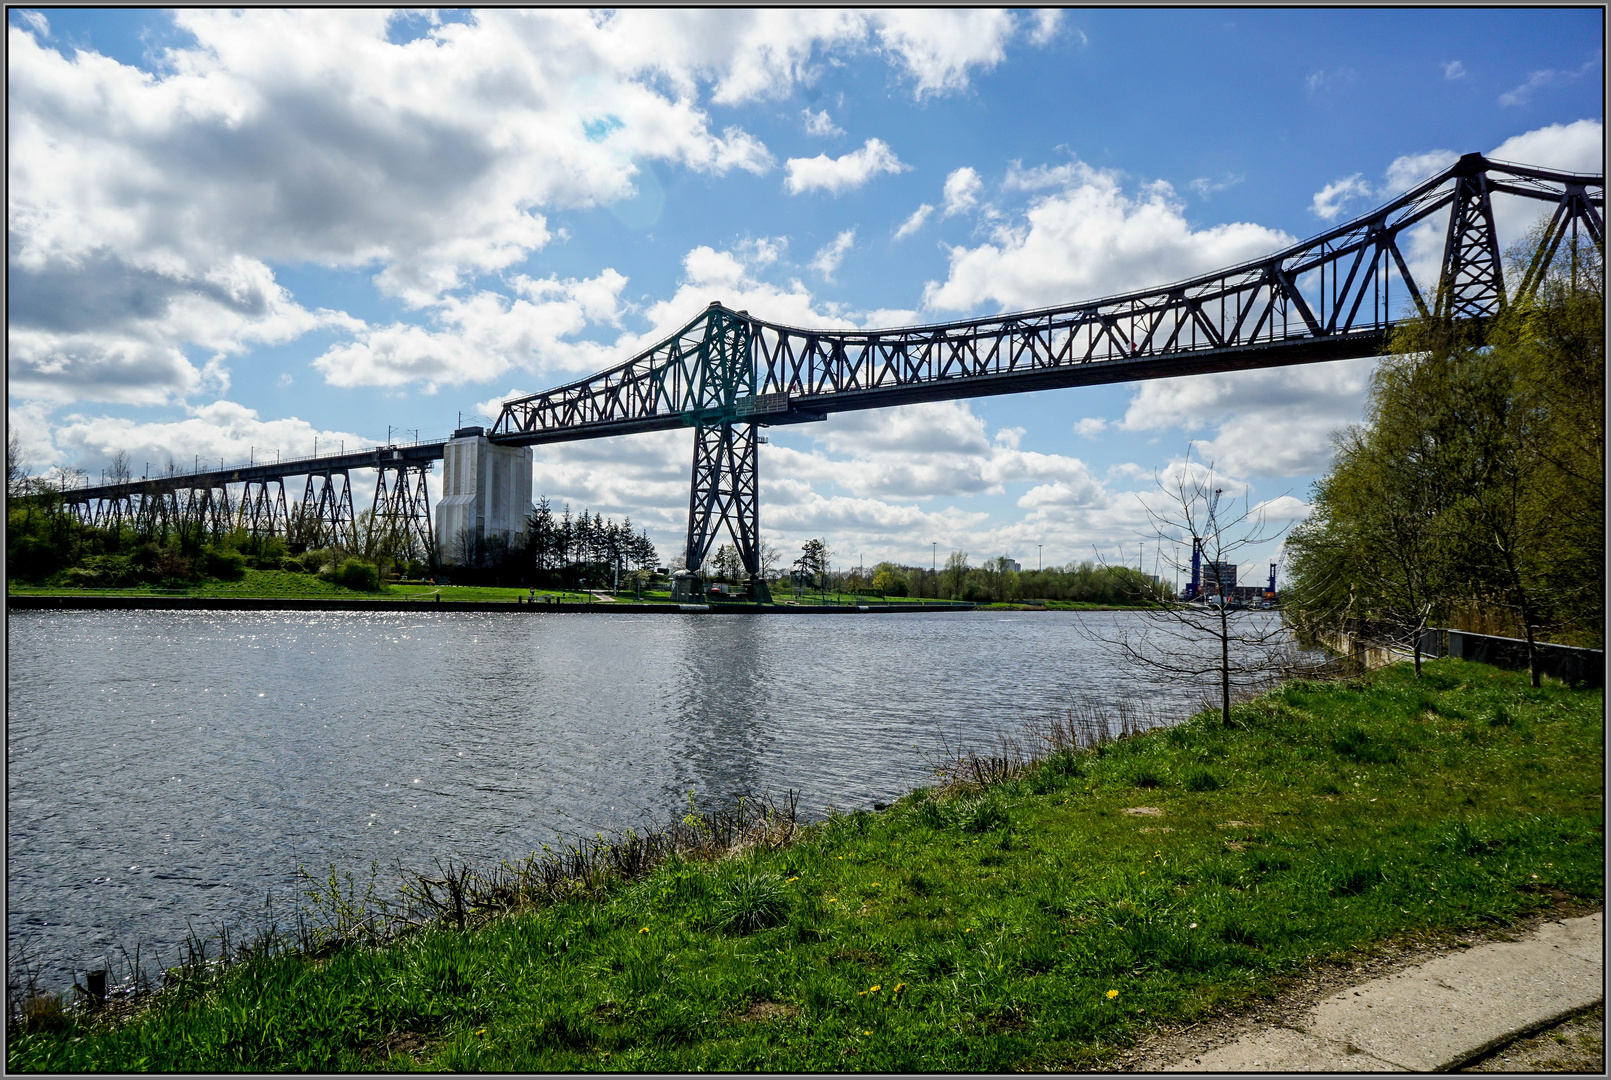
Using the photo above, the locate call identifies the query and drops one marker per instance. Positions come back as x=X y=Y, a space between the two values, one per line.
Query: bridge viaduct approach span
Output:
x=726 y=374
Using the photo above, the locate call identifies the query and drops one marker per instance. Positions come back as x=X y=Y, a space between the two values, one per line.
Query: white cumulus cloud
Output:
x=915 y=222
x=820 y=123
x=844 y=173
x=1330 y=200
x=829 y=257
x=1091 y=239
x=962 y=189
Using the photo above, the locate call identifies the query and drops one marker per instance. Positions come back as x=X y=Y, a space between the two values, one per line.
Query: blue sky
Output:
x=233 y=233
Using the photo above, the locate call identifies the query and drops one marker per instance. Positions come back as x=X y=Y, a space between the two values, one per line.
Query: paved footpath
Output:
x=1437 y=1016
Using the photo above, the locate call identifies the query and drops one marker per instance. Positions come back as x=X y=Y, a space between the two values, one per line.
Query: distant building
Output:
x=1219 y=578
x=1015 y=566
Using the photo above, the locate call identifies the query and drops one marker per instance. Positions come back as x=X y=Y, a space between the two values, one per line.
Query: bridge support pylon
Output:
x=486 y=498
x=726 y=492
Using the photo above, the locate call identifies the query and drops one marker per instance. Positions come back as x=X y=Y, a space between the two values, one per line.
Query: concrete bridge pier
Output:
x=486 y=498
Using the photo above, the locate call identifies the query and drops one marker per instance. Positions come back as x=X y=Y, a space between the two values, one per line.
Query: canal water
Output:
x=168 y=772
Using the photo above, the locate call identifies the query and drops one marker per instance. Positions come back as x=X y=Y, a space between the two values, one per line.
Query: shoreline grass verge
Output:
x=1036 y=914
x=258 y=584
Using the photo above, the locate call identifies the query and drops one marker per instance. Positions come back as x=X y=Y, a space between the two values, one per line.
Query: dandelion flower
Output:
x=875 y=988
x=1112 y=994
x=900 y=988
x=864 y=1031
x=791 y=879
x=645 y=930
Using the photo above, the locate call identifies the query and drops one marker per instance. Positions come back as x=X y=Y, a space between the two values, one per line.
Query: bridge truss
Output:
x=726 y=373
x=1334 y=296
x=252 y=499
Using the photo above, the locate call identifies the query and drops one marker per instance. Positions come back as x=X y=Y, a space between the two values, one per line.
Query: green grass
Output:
x=1031 y=925
x=278 y=584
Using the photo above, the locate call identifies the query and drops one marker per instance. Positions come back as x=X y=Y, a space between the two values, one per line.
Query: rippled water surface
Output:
x=170 y=770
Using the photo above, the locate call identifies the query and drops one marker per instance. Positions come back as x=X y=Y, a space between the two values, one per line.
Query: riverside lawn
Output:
x=285 y=584
x=1030 y=924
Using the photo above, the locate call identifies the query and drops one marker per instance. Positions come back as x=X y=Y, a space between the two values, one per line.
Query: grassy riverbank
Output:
x=1037 y=922
x=287 y=585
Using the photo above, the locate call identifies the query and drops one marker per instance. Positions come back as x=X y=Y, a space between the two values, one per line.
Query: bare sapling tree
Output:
x=19 y=480
x=1208 y=633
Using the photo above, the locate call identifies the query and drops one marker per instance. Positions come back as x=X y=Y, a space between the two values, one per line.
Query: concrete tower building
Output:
x=486 y=496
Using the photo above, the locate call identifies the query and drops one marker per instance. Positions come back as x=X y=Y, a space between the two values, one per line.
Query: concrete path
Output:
x=1436 y=1016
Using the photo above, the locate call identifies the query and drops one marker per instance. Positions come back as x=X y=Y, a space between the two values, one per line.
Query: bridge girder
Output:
x=1329 y=297
x=725 y=374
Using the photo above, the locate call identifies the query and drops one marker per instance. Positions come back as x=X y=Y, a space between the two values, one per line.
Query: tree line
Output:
x=565 y=550
x=993 y=581
x=1473 y=494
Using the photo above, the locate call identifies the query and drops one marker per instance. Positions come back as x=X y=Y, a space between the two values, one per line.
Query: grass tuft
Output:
x=753 y=901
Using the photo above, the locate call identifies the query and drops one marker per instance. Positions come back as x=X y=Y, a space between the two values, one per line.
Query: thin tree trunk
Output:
x=1532 y=653
x=1224 y=664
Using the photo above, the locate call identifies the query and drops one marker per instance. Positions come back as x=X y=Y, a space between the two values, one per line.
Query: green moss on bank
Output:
x=1035 y=925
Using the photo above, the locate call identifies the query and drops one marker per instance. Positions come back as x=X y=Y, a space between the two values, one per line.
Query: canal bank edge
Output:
x=207 y=603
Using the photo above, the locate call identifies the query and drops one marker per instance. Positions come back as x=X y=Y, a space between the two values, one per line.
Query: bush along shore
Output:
x=1038 y=908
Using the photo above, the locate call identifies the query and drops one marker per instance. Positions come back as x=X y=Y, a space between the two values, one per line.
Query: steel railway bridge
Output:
x=726 y=374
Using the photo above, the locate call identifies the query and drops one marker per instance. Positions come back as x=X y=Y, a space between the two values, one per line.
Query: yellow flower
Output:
x=791 y=879
x=864 y=1031
x=483 y=1031
x=875 y=988
x=645 y=930
x=833 y=899
x=900 y=988
x=1112 y=994
x=876 y=884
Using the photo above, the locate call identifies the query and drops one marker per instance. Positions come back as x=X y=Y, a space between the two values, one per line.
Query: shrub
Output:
x=358 y=575
x=171 y=567
x=1201 y=780
x=223 y=564
x=80 y=577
